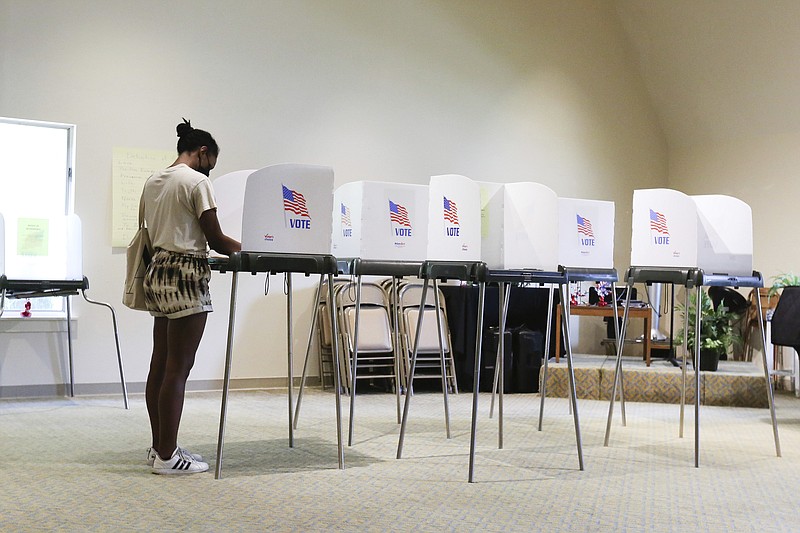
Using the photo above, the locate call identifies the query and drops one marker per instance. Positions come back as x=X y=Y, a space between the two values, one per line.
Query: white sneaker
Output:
x=179 y=463
x=151 y=455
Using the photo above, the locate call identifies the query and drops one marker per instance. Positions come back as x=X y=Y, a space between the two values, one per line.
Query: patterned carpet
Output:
x=79 y=465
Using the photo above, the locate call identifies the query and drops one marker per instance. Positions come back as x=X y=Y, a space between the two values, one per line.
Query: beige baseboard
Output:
x=94 y=389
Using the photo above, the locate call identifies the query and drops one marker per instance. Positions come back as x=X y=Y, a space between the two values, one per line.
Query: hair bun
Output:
x=184 y=128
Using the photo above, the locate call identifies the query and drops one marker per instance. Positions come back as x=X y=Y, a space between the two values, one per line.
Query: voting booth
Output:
x=288 y=209
x=380 y=221
x=710 y=232
x=41 y=257
x=454 y=219
x=694 y=242
x=517 y=222
x=286 y=226
x=585 y=233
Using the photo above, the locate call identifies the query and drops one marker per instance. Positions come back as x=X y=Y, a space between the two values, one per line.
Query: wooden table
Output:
x=644 y=313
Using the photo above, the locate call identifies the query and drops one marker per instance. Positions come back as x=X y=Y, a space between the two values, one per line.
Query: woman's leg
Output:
x=183 y=338
x=158 y=365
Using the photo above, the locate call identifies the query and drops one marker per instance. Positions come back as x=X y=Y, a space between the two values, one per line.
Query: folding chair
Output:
x=429 y=364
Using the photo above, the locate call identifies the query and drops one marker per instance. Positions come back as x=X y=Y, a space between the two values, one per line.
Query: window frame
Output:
x=57 y=307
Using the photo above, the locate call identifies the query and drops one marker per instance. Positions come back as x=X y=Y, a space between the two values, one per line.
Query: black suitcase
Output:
x=528 y=352
x=491 y=338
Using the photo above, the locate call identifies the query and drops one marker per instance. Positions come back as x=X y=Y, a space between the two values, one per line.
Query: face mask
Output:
x=206 y=171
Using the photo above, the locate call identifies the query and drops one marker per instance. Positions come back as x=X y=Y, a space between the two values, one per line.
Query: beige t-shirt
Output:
x=174 y=199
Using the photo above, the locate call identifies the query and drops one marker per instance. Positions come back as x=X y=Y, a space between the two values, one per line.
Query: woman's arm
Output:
x=217 y=240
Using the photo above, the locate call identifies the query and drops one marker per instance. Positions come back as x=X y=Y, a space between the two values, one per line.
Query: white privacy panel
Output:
x=380 y=221
x=724 y=235
x=229 y=192
x=288 y=209
x=518 y=222
x=454 y=219
x=40 y=247
x=664 y=229
x=585 y=233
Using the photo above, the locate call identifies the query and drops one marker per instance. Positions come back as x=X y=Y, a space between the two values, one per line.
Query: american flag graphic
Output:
x=398 y=214
x=450 y=211
x=658 y=222
x=584 y=226
x=346 y=216
x=295 y=202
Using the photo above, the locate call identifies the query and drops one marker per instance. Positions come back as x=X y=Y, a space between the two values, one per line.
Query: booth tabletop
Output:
x=36 y=288
x=686 y=276
x=490 y=275
x=274 y=263
x=460 y=270
x=224 y=264
x=724 y=280
x=572 y=274
x=372 y=267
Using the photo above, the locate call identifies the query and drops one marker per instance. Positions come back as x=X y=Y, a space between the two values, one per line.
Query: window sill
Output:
x=34 y=324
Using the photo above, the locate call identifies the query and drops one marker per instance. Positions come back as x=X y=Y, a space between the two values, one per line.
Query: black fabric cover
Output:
x=786 y=319
x=527 y=306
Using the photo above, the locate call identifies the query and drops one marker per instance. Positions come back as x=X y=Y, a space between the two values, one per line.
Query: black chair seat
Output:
x=730 y=298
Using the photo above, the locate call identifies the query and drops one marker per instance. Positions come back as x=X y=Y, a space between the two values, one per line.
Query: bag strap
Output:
x=148 y=251
x=141 y=210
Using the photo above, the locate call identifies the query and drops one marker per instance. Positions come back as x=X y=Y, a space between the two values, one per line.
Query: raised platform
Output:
x=735 y=383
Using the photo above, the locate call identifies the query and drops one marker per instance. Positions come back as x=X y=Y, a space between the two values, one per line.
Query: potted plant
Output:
x=716 y=331
x=783 y=280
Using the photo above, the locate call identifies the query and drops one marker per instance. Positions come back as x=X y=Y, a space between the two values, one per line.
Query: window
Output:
x=36 y=179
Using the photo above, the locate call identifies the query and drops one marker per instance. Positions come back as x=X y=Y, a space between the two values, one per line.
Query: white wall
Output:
x=762 y=171
x=507 y=91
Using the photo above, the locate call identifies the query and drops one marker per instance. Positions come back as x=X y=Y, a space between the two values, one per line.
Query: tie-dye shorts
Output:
x=176 y=284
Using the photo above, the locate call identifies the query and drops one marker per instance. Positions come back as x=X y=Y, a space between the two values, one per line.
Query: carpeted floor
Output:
x=79 y=465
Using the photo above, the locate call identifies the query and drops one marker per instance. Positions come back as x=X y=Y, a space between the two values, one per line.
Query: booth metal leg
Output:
x=476 y=382
x=619 y=346
x=770 y=394
x=546 y=355
x=698 y=320
x=116 y=343
x=504 y=293
x=337 y=377
x=227 y=378
x=571 y=368
x=69 y=347
x=565 y=319
x=685 y=349
x=314 y=318
x=398 y=381
x=354 y=363
x=501 y=313
x=412 y=368
x=289 y=356
x=445 y=387
x=618 y=365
